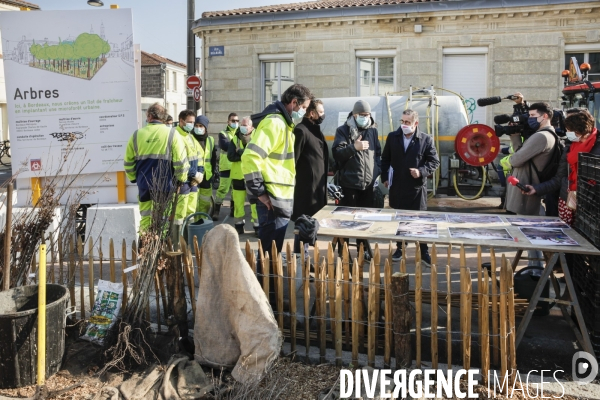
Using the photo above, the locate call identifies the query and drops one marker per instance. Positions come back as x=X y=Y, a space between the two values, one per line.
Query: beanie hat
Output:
x=201 y=119
x=361 y=106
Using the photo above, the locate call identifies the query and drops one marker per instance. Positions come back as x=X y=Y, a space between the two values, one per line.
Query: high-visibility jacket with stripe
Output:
x=195 y=153
x=225 y=136
x=268 y=162
x=208 y=150
x=236 y=166
x=155 y=151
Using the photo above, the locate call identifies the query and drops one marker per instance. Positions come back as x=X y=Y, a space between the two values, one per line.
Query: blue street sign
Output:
x=216 y=51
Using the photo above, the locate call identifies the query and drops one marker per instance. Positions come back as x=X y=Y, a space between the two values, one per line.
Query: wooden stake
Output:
x=495 y=328
x=321 y=288
x=100 y=255
x=356 y=305
x=337 y=331
x=377 y=285
x=480 y=310
x=418 y=302
x=163 y=294
x=331 y=280
x=266 y=264
x=90 y=271
x=361 y=326
x=387 y=278
x=198 y=254
x=468 y=316
x=157 y=293
x=72 y=272
x=123 y=274
x=346 y=277
x=503 y=327
x=402 y=320
x=249 y=251
x=434 y=309
x=512 y=350
x=111 y=254
x=7 y=238
x=306 y=283
x=81 y=277
x=279 y=274
x=372 y=304
x=449 y=314
x=293 y=302
x=485 y=328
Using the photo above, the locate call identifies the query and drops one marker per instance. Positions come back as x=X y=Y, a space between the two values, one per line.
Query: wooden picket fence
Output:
x=350 y=313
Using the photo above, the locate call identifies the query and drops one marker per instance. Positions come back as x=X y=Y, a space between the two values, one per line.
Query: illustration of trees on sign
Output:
x=81 y=58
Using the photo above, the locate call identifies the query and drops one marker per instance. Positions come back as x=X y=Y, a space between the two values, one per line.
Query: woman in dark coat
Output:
x=312 y=164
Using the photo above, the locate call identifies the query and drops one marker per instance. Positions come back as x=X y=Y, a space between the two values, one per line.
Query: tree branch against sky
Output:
x=159 y=26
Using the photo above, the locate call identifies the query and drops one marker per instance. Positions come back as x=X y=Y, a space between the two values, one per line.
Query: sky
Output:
x=160 y=26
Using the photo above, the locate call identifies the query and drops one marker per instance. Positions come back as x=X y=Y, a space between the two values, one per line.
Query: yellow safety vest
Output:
x=224 y=163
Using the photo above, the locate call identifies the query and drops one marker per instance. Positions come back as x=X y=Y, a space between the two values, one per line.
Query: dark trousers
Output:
x=271 y=228
x=358 y=198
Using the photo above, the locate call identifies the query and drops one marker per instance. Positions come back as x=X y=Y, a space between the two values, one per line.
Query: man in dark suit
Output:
x=409 y=157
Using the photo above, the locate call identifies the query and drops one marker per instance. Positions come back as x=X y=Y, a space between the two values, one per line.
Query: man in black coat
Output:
x=312 y=164
x=357 y=154
x=409 y=157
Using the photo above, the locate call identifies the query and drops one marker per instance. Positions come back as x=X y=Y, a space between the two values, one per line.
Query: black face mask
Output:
x=319 y=120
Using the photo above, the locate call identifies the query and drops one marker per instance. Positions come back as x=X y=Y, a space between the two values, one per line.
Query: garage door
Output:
x=467 y=74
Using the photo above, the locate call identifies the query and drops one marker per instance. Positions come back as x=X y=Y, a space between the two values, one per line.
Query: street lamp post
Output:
x=191 y=50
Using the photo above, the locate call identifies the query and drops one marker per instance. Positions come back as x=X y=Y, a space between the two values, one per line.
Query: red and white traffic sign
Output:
x=197 y=93
x=194 y=82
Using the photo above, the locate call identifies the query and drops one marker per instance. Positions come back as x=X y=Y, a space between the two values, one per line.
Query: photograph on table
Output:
x=548 y=236
x=474 y=219
x=424 y=217
x=373 y=217
x=417 y=229
x=354 y=210
x=480 y=234
x=536 y=222
x=344 y=224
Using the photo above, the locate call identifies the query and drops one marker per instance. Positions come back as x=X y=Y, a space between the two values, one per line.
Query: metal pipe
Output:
x=191 y=49
x=7 y=237
x=41 y=328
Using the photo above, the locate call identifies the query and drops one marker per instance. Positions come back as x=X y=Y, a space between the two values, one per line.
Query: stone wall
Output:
x=152 y=81
x=525 y=52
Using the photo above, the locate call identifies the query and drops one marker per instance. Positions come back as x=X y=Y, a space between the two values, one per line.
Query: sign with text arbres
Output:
x=70 y=86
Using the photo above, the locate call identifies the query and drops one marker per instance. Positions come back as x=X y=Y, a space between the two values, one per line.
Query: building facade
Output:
x=347 y=48
x=8 y=5
x=163 y=81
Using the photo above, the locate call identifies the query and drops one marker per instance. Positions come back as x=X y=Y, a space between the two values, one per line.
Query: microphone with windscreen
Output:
x=488 y=101
x=515 y=182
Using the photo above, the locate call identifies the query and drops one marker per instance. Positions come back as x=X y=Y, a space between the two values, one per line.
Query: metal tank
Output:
x=443 y=124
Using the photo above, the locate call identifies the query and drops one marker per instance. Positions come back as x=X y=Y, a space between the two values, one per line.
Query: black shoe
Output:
x=255 y=226
x=426 y=259
x=239 y=227
x=397 y=256
x=216 y=212
x=231 y=209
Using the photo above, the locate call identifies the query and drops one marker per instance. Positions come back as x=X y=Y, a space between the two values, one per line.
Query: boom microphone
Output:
x=488 y=101
x=502 y=119
x=515 y=182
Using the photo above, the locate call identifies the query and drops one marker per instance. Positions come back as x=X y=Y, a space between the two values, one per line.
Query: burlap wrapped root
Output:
x=235 y=326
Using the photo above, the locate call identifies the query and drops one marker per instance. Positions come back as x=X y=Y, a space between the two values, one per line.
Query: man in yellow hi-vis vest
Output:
x=269 y=167
x=207 y=143
x=155 y=159
x=225 y=137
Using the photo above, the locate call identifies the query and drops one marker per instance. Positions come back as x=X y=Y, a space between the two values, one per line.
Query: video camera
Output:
x=518 y=119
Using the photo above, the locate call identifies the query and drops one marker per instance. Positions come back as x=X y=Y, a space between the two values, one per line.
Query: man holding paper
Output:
x=409 y=157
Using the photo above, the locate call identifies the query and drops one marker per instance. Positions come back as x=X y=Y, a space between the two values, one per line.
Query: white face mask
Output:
x=407 y=129
x=298 y=115
x=199 y=131
x=362 y=121
x=188 y=126
x=573 y=137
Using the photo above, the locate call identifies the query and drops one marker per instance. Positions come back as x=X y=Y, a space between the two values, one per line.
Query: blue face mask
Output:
x=298 y=115
x=199 y=131
x=188 y=127
x=533 y=123
x=234 y=125
x=244 y=130
x=362 y=121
